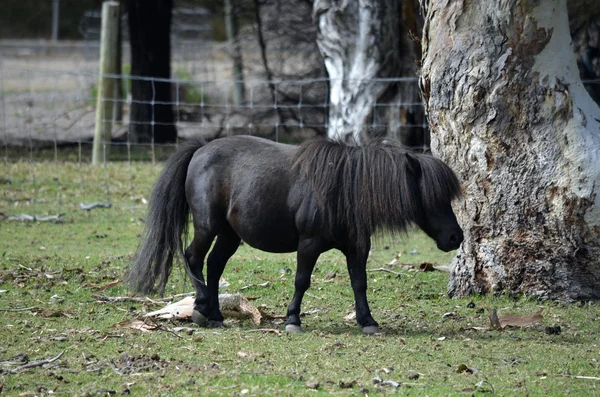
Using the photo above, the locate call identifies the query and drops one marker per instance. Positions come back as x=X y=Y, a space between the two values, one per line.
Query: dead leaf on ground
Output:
x=514 y=320
x=330 y=276
x=104 y=287
x=313 y=384
x=350 y=316
x=344 y=384
x=55 y=313
x=269 y=316
x=463 y=368
x=555 y=330
x=391 y=383
x=145 y=325
x=427 y=267
x=494 y=320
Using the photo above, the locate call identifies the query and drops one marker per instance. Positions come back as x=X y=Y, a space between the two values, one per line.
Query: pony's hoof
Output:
x=215 y=324
x=293 y=329
x=371 y=329
x=199 y=319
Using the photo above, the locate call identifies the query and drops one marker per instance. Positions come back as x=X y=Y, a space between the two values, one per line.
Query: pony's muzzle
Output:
x=454 y=241
x=449 y=242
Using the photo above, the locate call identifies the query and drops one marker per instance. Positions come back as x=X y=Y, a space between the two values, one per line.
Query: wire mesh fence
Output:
x=47 y=129
x=48 y=123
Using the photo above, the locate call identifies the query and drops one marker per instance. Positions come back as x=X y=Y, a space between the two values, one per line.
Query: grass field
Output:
x=50 y=270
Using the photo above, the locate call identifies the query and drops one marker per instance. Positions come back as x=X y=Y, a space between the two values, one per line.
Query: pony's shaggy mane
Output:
x=377 y=186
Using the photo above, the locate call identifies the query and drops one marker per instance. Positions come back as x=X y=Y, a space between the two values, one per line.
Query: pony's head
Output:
x=380 y=186
x=438 y=186
x=440 y=224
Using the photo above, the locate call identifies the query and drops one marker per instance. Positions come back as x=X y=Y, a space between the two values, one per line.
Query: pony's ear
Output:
x=413 y=165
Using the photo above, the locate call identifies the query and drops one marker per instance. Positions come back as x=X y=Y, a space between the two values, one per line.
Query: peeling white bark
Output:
x=359 y=43
x=509 y=113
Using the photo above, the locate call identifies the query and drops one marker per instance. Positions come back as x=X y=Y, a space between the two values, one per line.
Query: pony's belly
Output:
x=269 y=237
x=271 y=246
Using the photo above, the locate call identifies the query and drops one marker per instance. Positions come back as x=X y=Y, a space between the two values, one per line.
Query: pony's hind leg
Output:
x=194 y=257
x=308 y=253
x=225 y=246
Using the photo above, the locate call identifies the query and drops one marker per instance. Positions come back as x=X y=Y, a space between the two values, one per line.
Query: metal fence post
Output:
x=106 y=84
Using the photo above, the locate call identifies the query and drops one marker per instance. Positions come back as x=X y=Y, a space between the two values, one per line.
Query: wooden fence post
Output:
x=106 y=85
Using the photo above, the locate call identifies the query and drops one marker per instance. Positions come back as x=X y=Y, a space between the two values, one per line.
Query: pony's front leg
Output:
x=308 y=252
x=356 y=260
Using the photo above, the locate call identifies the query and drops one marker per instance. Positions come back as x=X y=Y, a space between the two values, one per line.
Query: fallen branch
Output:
x=37 y=363
x=232 y=305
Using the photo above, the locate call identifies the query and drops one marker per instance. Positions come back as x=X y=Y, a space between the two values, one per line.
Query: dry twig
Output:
x=383 y=269
x=37 y=363
x=266 y=331
x=105 y=298
x=19 y=309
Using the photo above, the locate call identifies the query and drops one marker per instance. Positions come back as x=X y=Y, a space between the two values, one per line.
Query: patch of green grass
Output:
x=52 y=270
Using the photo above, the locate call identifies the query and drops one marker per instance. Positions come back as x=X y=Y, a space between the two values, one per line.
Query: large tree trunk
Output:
x=365 y=45
x=359 y=41
x=151 y=115
x=508 y=112
x=584 y=21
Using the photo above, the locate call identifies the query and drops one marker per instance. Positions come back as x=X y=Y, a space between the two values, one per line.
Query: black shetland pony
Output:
x=282 y=198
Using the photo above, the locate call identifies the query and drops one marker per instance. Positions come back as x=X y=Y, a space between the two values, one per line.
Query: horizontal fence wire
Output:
x=47 y=130
x=64 y=112
x=48 y=121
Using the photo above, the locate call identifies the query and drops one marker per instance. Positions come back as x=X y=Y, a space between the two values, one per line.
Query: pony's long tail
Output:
x=166 y=225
